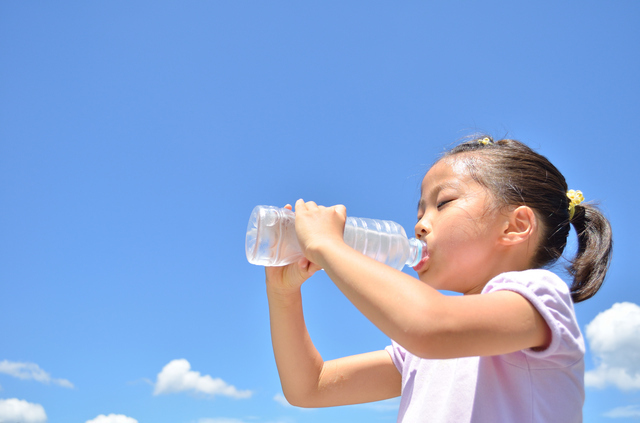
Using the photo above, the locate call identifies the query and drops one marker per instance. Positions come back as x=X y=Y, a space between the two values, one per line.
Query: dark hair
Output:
x=517 y=175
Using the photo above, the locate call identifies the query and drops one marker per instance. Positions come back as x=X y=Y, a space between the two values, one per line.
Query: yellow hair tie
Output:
x=485 y=141
x=575 y=198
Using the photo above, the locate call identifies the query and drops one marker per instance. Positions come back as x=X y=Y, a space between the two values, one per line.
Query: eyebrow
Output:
x=435 y=190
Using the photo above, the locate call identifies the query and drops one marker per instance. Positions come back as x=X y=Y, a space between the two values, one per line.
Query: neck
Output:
x=511 y=260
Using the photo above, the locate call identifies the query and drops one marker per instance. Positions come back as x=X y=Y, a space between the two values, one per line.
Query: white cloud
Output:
x=623 y=412
x=15 y=410
x=113 y=418
x=614 y=339
x=177 y=376
x=31 y=371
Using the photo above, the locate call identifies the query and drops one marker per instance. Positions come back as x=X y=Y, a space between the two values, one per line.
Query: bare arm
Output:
x=418 y=317
x=307 y=381
x=428 y=323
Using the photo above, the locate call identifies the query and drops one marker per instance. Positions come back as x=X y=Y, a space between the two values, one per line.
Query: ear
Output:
x=521 y=226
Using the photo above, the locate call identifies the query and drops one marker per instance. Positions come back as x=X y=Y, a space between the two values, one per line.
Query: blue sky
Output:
x=137 y=136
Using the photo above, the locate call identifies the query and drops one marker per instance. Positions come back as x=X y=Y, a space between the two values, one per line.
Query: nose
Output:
x=422 y=228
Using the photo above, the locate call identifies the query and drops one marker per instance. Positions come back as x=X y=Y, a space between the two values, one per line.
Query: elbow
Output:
x=424 y=337
x=419 y=345
x=293 y=398
x=424 y=349
x=299 y=399
x=296 y=401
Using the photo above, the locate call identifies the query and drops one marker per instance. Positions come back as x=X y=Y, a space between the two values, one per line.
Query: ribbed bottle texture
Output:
x=271 y=239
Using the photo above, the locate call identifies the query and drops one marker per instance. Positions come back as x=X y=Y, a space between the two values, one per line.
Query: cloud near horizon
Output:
x=177 y=376
x=112 y=418
x=31 y=371
x=624 y=412
x=15 y=410
x=614 y=339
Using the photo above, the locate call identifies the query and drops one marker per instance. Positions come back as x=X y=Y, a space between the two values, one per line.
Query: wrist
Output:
x=283 y=297
x=318 y=251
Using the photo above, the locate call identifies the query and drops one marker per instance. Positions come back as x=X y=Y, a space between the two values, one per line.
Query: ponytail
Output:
x=592 y=260
x=517 y=175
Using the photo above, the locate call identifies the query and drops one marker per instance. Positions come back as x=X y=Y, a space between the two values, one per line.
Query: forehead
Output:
x=447 y=172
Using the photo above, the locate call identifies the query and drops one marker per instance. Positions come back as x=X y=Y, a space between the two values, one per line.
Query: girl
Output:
x=493 y=214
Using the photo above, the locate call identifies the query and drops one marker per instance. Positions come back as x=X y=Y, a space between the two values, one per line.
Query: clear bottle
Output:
x=271 y=239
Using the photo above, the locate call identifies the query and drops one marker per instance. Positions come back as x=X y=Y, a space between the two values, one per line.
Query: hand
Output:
x=318 y=227
x=292 y=276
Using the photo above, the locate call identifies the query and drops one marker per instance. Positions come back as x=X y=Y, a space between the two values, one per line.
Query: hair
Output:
x=516 y=175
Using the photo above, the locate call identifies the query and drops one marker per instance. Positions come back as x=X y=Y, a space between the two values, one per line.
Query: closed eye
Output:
x=443 y=203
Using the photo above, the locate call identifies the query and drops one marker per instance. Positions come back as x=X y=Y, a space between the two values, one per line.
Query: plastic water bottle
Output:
x=271 y=239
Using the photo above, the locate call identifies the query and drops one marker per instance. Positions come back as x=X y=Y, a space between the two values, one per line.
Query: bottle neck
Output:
x=417 y=251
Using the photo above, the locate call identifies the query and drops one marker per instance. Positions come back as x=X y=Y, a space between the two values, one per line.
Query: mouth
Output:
x=421 y=264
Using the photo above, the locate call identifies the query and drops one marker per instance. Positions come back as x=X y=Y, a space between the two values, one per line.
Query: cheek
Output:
x=460 y=229
x=461 y=246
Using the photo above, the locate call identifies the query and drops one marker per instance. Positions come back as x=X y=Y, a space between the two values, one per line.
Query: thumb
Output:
x=341 y=210
x=307 y=268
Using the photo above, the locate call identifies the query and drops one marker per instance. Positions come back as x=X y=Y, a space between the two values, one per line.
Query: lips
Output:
x=421 y=263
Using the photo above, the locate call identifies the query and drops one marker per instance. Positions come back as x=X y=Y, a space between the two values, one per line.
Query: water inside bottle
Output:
x=271 y=238
x=384 y=241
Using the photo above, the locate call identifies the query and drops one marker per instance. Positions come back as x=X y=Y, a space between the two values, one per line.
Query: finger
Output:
x=303 y=265
x=300 y=205
x=313 y=268
x=341 y=210
x=308 y=267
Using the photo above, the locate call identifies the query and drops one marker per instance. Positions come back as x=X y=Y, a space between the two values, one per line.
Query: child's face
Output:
x=458 y=220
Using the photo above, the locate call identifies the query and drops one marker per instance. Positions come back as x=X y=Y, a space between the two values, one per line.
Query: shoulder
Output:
x=551 y=297
x=539 y=286
x=540 y=280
